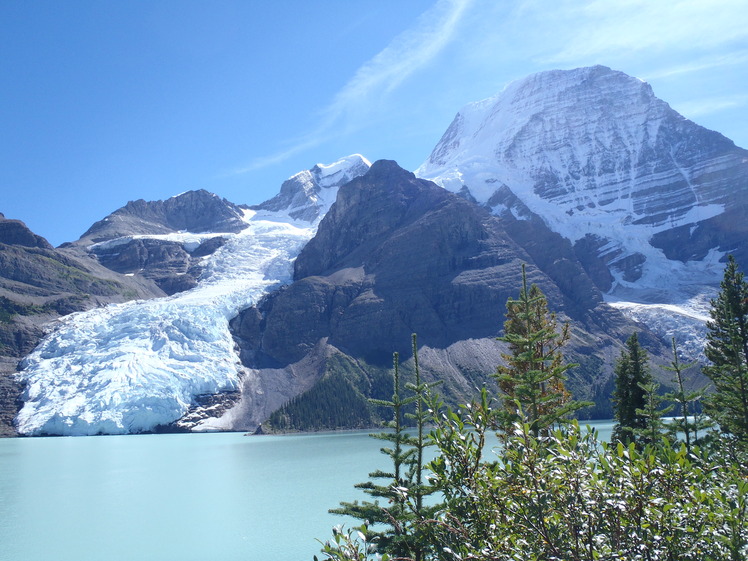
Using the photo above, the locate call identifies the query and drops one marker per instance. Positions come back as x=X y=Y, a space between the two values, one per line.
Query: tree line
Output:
x=675 y=490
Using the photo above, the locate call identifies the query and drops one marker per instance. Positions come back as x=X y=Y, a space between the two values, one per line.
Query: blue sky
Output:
x=104 y=102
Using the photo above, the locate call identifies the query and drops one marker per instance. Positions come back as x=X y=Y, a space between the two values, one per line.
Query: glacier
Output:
x=132 y=367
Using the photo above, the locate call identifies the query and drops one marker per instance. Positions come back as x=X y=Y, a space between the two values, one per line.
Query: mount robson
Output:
x=198 y=314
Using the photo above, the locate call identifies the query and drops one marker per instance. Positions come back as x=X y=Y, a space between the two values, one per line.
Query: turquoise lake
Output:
x=207 y=497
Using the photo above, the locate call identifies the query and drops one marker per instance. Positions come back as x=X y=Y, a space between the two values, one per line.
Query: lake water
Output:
x=207 y=497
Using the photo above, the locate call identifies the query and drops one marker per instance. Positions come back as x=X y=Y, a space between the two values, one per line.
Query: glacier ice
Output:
x=130 y=367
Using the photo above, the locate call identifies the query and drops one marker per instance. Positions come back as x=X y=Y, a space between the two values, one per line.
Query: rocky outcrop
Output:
x=193 y=211
x=397 y=255
x=725 y=233
x=147 y=239
x=15 y=232
x=307 y=195
x=173 y=266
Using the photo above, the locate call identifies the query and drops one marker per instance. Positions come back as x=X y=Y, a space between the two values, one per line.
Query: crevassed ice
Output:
x=130 y=367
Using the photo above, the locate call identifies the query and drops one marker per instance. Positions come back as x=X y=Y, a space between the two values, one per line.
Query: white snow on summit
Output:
x=592 y=151
x=131 y=367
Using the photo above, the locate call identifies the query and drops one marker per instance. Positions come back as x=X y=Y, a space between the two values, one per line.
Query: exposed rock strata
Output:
x=593 y=152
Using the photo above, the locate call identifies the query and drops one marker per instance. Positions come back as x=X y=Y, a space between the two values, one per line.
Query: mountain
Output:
x=38 y=285
x=136 y=366
x=307 y=195
x=650 y=201
x=285 y=315
x=397 y=255
x=147 y=238
x=193 y=211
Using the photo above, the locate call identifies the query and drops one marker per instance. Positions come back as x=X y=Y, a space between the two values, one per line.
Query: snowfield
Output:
x=130 y=367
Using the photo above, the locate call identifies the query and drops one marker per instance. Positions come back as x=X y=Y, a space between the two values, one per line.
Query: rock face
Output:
x=15 y=232
x=397 y=255
x=193 y=211
x=147 y=239
x=595 y=154
x=38 y=284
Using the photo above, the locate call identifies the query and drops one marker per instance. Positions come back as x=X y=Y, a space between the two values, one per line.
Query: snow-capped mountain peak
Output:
x=641 y=192
x=594 y=153
x=580 y=141
x=308 y=195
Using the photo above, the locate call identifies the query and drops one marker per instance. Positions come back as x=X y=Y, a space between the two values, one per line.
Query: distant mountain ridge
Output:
x=192 y=211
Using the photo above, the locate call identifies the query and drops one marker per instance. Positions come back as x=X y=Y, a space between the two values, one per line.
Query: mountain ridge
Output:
x=320 y=284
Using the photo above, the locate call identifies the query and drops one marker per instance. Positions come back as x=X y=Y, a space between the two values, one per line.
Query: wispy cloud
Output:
x=615 y=27
x=738 y=57
x=700 y=107
x=406 y=54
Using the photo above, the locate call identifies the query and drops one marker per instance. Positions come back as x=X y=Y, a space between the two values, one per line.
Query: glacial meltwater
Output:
x=179 y=497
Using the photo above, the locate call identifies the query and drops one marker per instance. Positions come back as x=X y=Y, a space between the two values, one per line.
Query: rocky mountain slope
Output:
x=147 y=238
x=397 y=255
x=650 y=201
x=137 y=366
x=622 y=210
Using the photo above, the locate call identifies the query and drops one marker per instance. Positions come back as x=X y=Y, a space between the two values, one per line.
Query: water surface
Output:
x=207 y=497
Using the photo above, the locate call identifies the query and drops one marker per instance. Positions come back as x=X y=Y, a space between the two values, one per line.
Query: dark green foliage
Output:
x=393 y=515
x=403 y=487
x=340 y=400
x=354 y=544
x=532 y=382
x=332 y=403
x=630 y=396
x=654 y=427
x=10 y=308
x=559 y=494
x=727 y=349
x=567 y=497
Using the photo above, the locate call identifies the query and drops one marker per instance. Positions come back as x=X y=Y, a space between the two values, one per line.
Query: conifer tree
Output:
x=533 y=380
x=403 y=488
x=654 y=427
x=727 y=349
x=630 y=396
x=686 y=404
x=393 y=516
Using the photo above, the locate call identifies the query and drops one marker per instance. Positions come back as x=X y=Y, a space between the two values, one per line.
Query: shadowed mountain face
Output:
x=397 y=255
